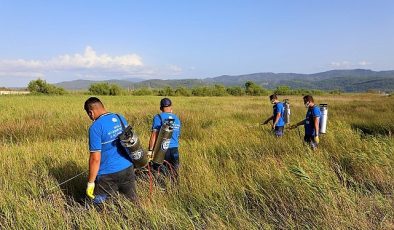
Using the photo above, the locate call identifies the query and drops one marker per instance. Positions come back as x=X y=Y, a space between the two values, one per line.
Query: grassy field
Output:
x=234 y=173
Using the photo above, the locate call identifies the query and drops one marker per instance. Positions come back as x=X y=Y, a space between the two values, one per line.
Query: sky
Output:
x=100 y=39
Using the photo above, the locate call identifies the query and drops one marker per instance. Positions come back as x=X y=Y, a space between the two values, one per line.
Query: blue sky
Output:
x=67 y=40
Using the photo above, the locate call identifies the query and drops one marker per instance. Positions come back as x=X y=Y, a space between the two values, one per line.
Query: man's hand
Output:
x=90 y=190
x=293 y=126
x=316 y=139
x=150 y=155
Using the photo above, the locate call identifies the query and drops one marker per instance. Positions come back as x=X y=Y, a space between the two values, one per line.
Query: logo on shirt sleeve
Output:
x=114 y=120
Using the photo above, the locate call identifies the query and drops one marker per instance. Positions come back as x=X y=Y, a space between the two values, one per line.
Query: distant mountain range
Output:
x=355 y=80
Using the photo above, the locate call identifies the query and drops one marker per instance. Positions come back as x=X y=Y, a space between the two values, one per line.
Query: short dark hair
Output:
x=308 y=98
x=273 y=96
x=89 y=103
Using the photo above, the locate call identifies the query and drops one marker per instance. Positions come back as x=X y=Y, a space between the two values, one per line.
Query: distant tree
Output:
x=40 y=86
x=105 y=89
x=306 y=92
x=282 y=90
x=201 y=91
x=115 y=90
x=167 y=91
x=143 y=91
x=219 y=90
x=336 y=91
x=286 y=90
x=235 y=91
x=253 y=89
x=182 y=91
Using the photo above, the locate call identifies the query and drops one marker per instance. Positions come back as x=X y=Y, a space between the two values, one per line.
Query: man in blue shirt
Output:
x=110 y=170
x=311 y=122
x=172 y=154
x=277 y=117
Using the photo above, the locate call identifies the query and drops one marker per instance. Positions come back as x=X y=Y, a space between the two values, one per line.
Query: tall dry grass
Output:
x=234 y=173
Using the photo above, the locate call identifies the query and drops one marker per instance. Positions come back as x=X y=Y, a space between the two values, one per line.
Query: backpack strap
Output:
x=313 y=110
x=161 y=119
x=282 y=112
x=119 y=145
x=312 y=114
x=121 y=122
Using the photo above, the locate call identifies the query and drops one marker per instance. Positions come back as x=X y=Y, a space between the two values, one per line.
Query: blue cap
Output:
x=165 y=102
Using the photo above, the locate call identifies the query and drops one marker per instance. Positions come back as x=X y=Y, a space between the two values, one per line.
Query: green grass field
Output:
x=234 y=173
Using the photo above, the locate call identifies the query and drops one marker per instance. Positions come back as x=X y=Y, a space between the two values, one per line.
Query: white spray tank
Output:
x=323 y=118
x=287 y=111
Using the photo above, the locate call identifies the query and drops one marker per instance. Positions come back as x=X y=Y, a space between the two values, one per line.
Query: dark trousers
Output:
x=170 y=169
x=279 y=131
x=310 y=140
x=109 y=184
x=172 y=157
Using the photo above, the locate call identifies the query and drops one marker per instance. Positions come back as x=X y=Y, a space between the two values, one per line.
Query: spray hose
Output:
x=150 y=182
x=46 y=192
x=172 y=170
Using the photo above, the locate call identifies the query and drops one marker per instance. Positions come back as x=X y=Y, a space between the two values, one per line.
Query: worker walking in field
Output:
x=110 y=170
x=277 y=118
x=311 y=122
x=165 y=145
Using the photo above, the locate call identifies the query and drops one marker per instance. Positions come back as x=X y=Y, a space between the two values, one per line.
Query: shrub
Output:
x=219 y=90
x=286 y=90
x=40 y=86
x=168 y=91
x=183 y=92
x=202 y=91
x=143 y=91
x=282 y=90
x=253 y=89
x=105 y=89
x=235 y=91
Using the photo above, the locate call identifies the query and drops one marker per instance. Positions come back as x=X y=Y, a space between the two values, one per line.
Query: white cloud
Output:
x=34 y=75
x=340 y=64
x=349 y=65
x=364 y=63
x=175 y=68
x=89 y=59
x=86 y=65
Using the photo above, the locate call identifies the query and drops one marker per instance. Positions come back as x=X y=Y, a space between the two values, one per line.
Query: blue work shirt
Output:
x=309 y=121
x=103 y=137
x=157 y=122
x=279 y=108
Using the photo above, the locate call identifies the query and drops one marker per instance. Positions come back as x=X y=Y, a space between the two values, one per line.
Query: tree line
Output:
x=249 y=88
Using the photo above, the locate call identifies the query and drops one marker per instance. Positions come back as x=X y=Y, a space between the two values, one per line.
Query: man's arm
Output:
x=270 y=118
x=94 y=165
x=156 y=125
x=276 y=119
x=297 y=124
x=316 y=121
x=152 y=139
x=300 y=123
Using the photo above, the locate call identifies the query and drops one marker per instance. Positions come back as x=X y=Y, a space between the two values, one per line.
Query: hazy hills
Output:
x=346 y=80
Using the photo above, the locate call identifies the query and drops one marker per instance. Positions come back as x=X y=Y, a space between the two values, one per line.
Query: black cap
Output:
x=165 y=102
